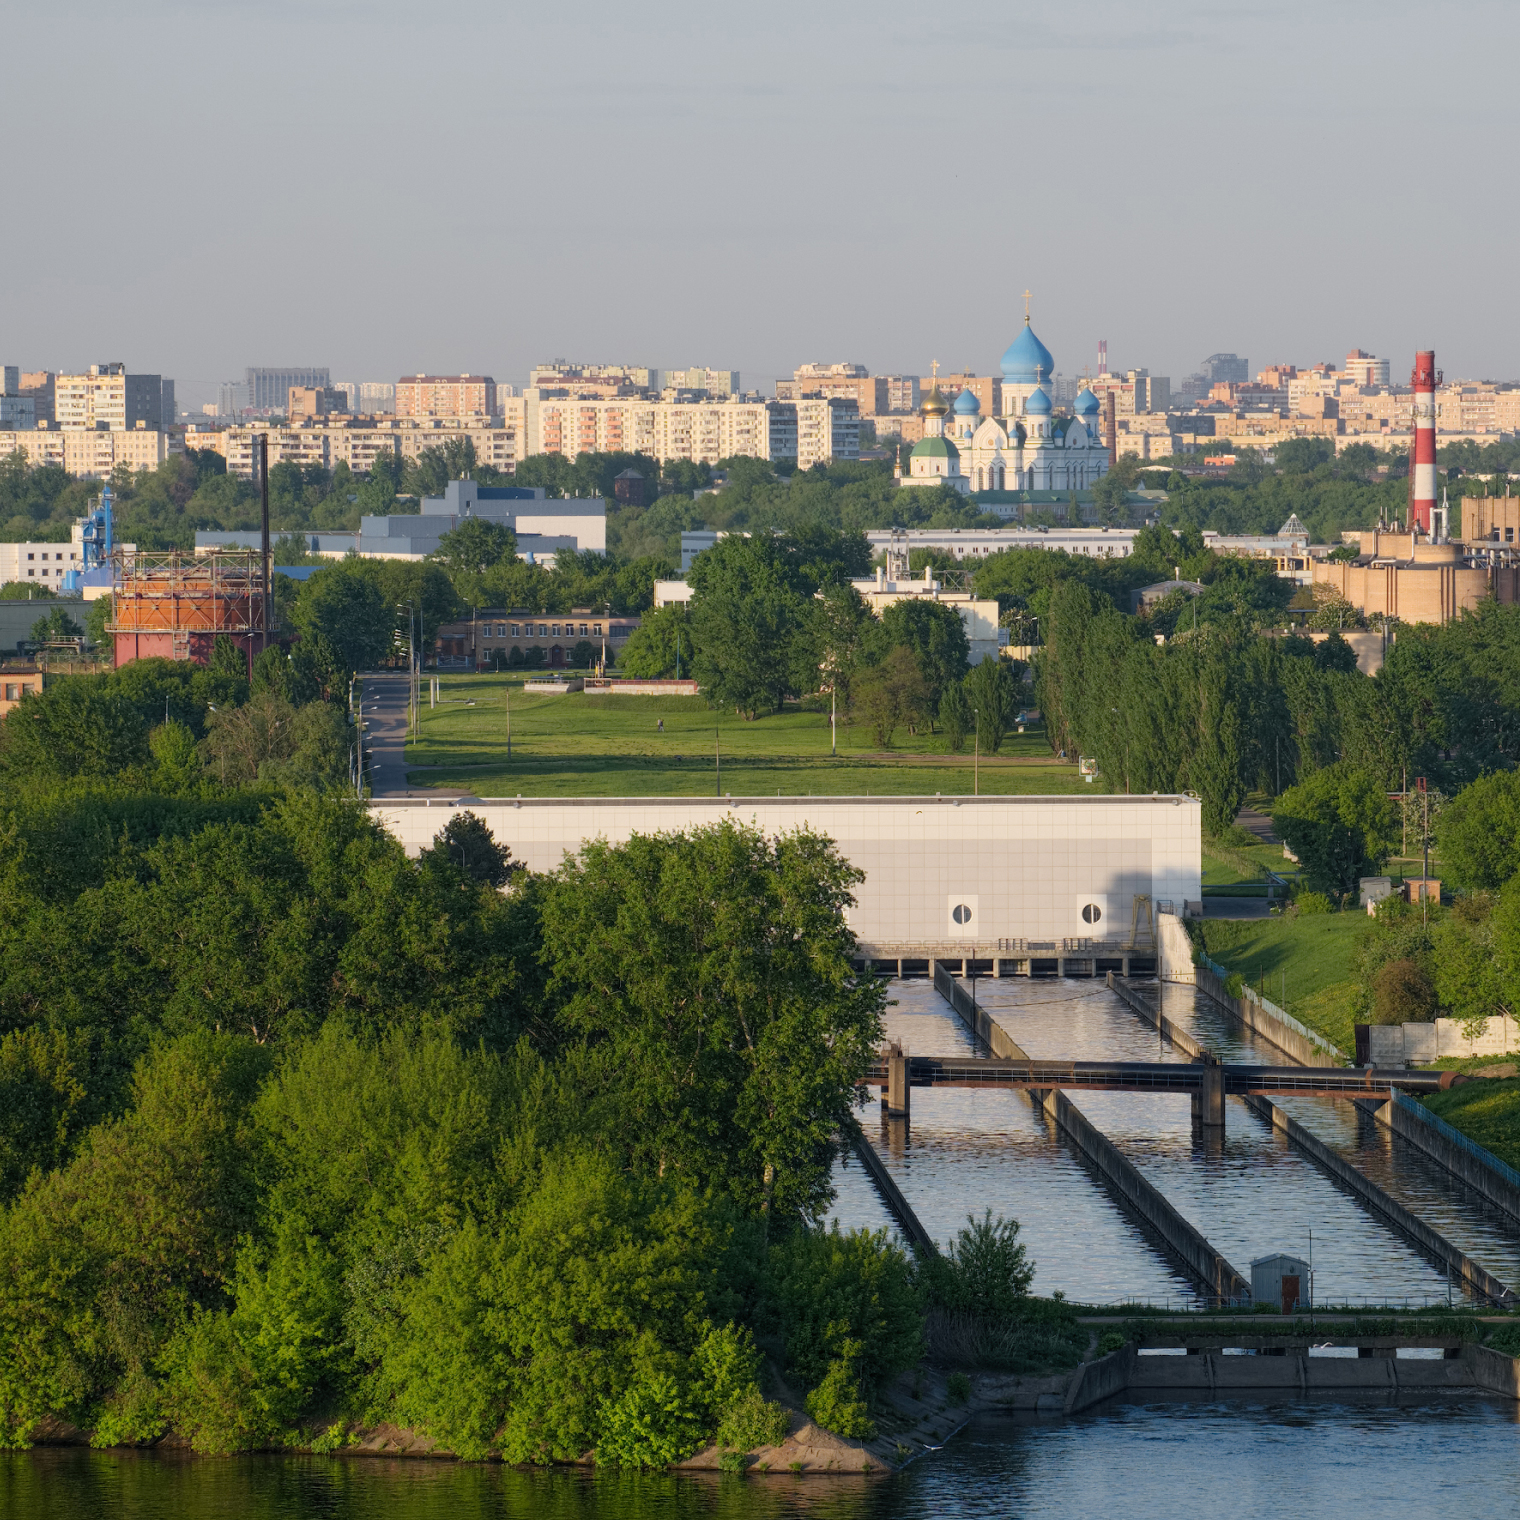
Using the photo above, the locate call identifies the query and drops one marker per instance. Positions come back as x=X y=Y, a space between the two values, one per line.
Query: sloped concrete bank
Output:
x=1466 y=1160
x=976 y=1019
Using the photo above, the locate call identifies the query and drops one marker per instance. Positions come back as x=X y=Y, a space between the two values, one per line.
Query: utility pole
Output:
x=976 y=763
x=508 y=691
x=833 y=728
x=1425 y=840
x=718 y=760
x=267 y=578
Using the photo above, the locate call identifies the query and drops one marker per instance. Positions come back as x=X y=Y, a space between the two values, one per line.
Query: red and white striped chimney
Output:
x=1422 y=461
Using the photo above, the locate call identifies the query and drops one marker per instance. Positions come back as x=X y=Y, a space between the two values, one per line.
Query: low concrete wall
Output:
x=1462 y=1267
x=1269 y=1022
x=1095 y=1381
x=1297 y=1372
x=891 y=1195
x=1174 y=949
x=1463 y=1158
x=1220 y=1279
x=1139 y=1003
x=1492 y=1371
x=1420 y=1044
x=976 y=1019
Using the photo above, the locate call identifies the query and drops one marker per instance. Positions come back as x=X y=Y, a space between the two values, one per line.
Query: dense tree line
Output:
x=298 y=1134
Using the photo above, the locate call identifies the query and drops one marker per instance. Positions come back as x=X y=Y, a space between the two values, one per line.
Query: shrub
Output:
x=1505 y=1340
x=1313 y=902
x=838 y=1403
x=1402 y=994
x=958 y=1388
x=986 y=1269
x=751 y=1421
x=652 y=1425
x=1110 y=1342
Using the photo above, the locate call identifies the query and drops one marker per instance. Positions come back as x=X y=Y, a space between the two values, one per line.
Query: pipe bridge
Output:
x=1208 y=1081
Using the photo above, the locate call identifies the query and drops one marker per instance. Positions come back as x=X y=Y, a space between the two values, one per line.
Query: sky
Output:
x=459 y=186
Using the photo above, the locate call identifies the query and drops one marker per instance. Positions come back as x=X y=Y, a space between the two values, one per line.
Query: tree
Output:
x=710 y=973
x=56 y=626
x=992 y=690
x=744 y=619
x=891 y=693
x=1339 y=823
x=934 y=632
x=80 y=726
x=1402 y=994
x=268 y=739
x=467 y=845
x=1478 y=832
x=956 y=716
x=346 y=605
x=842 y=633
x=474 y=546
x=651 y=650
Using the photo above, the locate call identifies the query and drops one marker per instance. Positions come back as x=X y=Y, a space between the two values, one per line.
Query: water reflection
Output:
x=1247 y=1459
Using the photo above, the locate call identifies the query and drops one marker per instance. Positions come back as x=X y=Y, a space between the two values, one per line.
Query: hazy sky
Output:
x=447 y=185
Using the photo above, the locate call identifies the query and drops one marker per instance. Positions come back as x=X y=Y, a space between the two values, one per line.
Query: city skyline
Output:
x=882 y=190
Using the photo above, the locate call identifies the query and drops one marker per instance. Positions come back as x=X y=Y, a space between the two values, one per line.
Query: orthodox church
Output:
x=1026 y=449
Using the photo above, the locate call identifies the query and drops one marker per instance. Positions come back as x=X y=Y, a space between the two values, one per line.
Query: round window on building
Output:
x=1091 y=913
x=961 y=913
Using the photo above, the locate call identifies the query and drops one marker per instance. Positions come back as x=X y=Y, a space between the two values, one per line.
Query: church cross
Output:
x=1026 y=308
x=934 y=367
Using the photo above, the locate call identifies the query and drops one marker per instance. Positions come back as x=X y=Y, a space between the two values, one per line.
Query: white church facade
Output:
x=1029 y=448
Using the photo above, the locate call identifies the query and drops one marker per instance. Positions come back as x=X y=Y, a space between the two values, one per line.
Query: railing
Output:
x=1457 y=1138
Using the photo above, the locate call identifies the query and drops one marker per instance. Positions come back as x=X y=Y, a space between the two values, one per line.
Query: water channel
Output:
x=965 y=1151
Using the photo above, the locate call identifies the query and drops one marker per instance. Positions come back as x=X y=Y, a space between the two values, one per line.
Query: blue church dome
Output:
x=1038 y=403
x=966 y=404
x=1086 y=403
x=1027 y=361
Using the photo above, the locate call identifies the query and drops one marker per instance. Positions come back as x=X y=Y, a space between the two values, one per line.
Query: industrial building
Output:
x=174 y=606
x=969 y=871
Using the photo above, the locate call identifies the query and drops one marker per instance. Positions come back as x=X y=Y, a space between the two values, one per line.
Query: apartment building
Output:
x=268 y=389
x=1135 y=393
x=358 y=443
x=309 y=401
x=828 y=429
x=702 y=431
x=446 y=396
x=94 y=455
x=39 y=385
x=711 y=382
x=869 y=392
x=903 y=393
x=107 y=397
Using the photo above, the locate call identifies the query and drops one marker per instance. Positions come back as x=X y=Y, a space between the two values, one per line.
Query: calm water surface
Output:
x=1241 y=1460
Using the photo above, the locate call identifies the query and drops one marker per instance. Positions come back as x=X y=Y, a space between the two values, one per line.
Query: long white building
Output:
x=973 y=869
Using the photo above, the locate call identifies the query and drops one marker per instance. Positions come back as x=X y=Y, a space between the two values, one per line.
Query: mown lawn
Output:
x=1486 y=1112
x=1303 y=964
x=588 y=746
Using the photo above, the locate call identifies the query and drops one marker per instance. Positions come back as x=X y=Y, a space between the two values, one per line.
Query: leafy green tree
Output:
x=650 y=653
x=1478 y=832
x=348 y=607
x=467 y=845
x=177 y=762
x=934 y=632
x=956 y=716
x=474 y=546
x=744 y=620
x=1339 y=823
x=42 y=1102
x=710 y=971
x=992 y=690
x=80 y=726
x=842 y=637
x=891 y=693
x=57 y=625
x=987 y=1270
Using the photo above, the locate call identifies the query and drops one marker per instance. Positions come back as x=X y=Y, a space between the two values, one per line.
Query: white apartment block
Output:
x=702 y=431
x=95 y=454
x=356 y=446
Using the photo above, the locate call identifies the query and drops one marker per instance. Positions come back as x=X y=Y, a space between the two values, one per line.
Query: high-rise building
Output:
x=269 y=389
x=446 y=396
x=231 y=399
x=711 y=382
x=1366 y=369
x=39 y=385
x=106 y=398
x=596 y=379
x=869 y=392
x=1230 y=367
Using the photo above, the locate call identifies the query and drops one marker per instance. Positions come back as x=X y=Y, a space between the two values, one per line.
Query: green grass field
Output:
x=597 y=746
x=1306 y=960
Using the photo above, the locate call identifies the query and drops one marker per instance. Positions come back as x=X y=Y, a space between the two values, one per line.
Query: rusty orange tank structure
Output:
x=173 y=606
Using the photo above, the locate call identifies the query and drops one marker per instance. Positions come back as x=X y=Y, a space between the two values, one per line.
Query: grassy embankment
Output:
x=1486 y=1112
x=1302 y=964
x=612 y=746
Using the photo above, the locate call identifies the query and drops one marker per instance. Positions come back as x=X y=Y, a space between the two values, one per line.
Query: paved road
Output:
x=385 y=739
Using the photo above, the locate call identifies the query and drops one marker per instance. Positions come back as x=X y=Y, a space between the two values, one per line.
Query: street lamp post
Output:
x=976 y=763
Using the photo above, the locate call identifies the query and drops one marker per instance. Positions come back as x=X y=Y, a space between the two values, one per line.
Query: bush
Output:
x=1402 y=994
x=1505 y=1340
x=751 y=1421
x=986 y=1270
x=838 y=1403
x=1110 y=1342
x=1309 y=903
x=652 y=1425
x=958 y=1388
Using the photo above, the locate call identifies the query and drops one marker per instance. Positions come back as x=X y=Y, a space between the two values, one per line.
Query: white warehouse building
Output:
x=971 y=869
